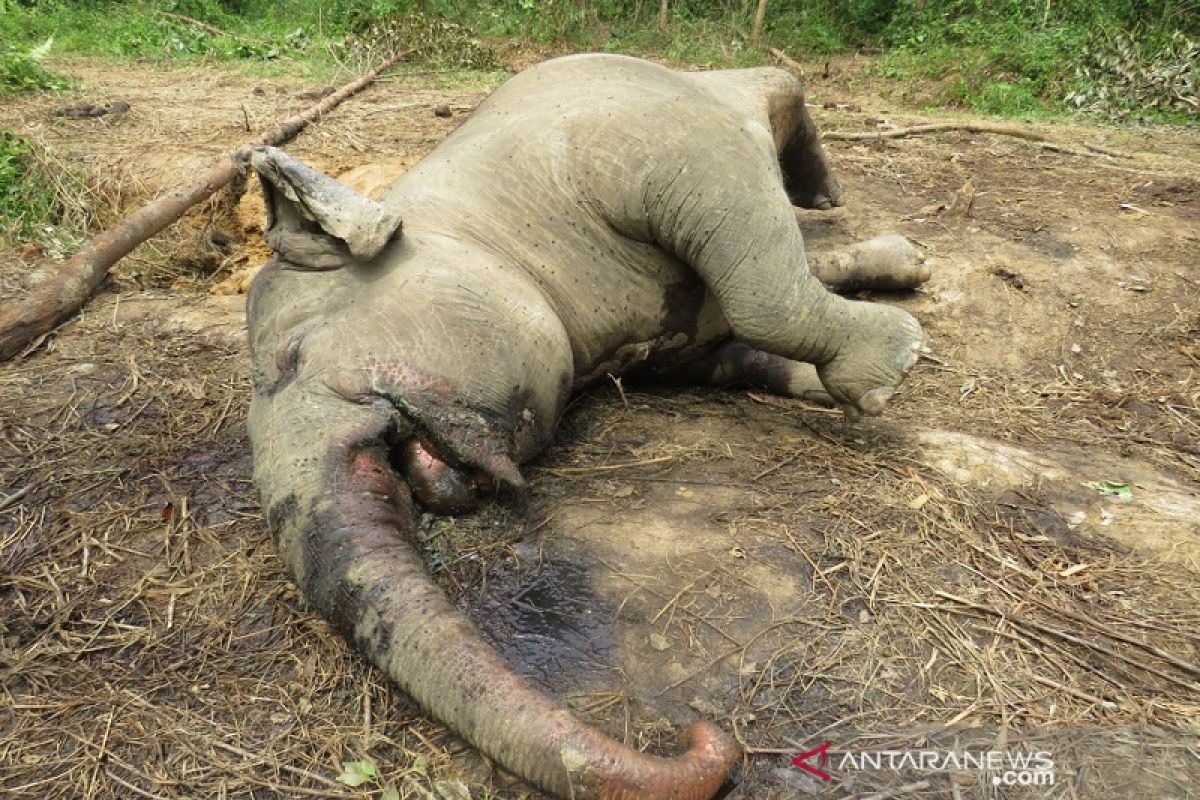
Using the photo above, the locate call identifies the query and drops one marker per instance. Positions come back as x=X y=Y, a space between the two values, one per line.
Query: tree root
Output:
x=64 y=292
x=1047 y=143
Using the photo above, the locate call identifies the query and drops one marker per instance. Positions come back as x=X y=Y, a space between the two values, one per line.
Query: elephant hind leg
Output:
x=737 y=364
x=774 y=98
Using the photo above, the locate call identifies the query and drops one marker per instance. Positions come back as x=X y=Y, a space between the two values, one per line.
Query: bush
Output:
x=1121 y=78
x=26 y=196
x=22 y=72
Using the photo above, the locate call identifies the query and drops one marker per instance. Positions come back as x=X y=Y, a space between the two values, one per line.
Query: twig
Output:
x=5 y=502
x=62 y=294
x=204 y=26
x=779 y=465
x=606 y=467
x=131 y=787
x=1069 y=637
x=1082 y=695
x=1112 y=633
x=787 y=60
x=970 y=127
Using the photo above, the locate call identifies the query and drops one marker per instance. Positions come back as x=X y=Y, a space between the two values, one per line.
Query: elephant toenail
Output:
x=874 y=401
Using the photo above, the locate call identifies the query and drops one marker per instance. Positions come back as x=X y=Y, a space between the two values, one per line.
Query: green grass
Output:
x=700 y=43
x=1002 y=57
x=21 y=70
x=1020 y=58
x=27 y=197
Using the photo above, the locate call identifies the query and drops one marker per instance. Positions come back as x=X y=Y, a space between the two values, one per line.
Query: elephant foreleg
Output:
x=887 y=263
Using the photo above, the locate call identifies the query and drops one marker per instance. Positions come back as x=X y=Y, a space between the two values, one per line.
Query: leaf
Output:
x=1122 y=491
x=42 y=50
x=390 y=792
x=356 y=773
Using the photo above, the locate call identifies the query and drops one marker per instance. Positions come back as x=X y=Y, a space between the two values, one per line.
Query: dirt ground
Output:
x=1008 y=561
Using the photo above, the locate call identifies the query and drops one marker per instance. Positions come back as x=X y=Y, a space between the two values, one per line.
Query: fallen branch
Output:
x=970 y=127
x=204 y=26
x=63 y=293
x=787 y=60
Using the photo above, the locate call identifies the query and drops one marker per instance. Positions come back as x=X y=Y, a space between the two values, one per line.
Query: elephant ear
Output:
x=315 y=222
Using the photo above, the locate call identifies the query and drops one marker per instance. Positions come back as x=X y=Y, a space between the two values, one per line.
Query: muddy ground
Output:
x=1009 y=560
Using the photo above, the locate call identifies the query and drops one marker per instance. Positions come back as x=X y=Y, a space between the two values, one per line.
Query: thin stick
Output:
x=5 y=502
x=62 y=294
x=1082 y=695
x=1113 y=633
x=606 y=467
x=970 y=127
x=1061 y=634
x=204 y=26
x=117 y=779
x=787 y=60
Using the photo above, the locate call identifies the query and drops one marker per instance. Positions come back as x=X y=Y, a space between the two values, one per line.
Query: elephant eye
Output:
x=287 y=359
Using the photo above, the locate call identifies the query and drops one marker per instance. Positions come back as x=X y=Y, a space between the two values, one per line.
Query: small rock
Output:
x=442 y=111
x=659 y=642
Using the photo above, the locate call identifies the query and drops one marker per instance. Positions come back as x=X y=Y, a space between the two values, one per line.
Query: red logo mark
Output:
x=823 y=751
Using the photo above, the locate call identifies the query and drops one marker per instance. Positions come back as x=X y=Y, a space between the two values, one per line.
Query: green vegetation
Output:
x=1008 y=57
x=21 y=70
x=1021 y=57
x=27 y=197
x=1131 y=59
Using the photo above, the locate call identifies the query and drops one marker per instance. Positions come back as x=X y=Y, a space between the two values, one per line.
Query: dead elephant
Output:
x=596 y=215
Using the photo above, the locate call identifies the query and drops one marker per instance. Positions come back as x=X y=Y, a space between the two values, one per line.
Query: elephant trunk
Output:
x=344 y=528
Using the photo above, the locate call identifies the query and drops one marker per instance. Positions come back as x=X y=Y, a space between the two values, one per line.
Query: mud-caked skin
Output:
x=596 y=215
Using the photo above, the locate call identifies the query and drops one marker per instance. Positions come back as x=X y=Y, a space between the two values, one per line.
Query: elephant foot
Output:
x=882 y=345
x=886 y=263
x=438 y=486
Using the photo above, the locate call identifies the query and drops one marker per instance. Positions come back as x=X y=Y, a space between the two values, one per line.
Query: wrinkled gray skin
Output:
x=596 y=215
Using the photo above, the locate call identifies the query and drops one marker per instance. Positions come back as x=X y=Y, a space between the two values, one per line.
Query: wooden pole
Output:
x=63 y=293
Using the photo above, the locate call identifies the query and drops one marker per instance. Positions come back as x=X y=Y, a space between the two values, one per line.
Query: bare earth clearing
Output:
x=950 y=577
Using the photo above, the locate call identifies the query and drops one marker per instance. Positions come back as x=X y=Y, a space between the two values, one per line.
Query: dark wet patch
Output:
x=1171 y=191
x=1031 y=516
x=1046 y=242
x=547 y=621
